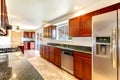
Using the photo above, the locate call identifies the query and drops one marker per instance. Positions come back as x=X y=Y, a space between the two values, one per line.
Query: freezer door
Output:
x=104 y=65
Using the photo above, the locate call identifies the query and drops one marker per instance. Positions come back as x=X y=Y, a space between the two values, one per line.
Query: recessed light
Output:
x=76 y=8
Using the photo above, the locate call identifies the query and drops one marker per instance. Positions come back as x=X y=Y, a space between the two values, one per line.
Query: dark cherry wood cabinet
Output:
x=49 y=32
x=81 y=26
x=47 y=53
x=52 y=55
x=74 y=27
x=29 y=34
x=82 y=66
x=57 y=52
x=29 y=45
x=86 y=25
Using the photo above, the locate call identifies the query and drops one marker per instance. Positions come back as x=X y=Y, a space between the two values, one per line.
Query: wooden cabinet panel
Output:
x=41 y=50
x=49 y=31
x=78 y=68
x=29 y=34
x=87 y=70
x=74 y=27
x=82 y=66
x=86 y=25
x=26 y=45
x=58 y=60
x=32 y=45
x=47 y=55
x=57 y=56
x=52 y=55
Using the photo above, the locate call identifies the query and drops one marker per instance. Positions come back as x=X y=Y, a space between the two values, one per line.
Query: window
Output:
x=63 y=32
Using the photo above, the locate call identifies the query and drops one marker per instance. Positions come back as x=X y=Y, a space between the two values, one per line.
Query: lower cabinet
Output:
x=82 y=66
x=52 y=54
x=82 y=61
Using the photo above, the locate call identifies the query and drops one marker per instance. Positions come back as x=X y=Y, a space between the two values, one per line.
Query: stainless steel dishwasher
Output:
x=67 y=60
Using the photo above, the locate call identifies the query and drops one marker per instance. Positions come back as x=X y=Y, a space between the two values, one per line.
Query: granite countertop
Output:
x=21 y=68
x=74 y=49
x=9 y=46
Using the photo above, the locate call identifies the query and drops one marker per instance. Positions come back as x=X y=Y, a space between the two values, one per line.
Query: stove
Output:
x=6 y=50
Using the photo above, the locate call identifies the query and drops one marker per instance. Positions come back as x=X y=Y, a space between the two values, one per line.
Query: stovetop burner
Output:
x=6 y=50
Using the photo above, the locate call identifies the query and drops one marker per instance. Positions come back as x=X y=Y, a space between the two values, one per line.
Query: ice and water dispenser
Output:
x=103 y=46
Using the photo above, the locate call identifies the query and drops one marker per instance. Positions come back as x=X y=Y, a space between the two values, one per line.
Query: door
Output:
x=105 y=62
x=16 y=38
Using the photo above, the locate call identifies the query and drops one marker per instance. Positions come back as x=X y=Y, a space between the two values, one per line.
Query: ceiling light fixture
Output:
x=18 y=29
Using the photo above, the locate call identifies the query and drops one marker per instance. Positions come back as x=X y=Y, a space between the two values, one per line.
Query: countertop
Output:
x=73 y=49
x=22 y=69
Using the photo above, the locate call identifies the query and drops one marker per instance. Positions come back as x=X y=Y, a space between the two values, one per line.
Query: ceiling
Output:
x=31 y=14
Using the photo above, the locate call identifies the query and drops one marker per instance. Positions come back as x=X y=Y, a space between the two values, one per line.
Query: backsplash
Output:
x=76 y=47
x=80 y=41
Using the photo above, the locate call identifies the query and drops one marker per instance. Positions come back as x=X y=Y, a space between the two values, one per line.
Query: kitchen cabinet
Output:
x=81 y=26
x=86 y=25
x=29 y=45
x=52 y=55
x=82 y=66
x=57 y=52
x=41 y=51
x=74 y=27
x=47 y=53
x=29 y=34
x=49 y=31
x=26 y=45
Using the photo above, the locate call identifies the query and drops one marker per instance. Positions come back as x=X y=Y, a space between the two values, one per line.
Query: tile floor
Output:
x=47 y=70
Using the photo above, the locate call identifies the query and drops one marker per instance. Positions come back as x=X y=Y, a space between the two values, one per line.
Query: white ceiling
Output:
x=31 y=14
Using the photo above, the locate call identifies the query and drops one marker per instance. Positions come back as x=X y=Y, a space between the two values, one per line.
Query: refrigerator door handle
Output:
x=114 y=49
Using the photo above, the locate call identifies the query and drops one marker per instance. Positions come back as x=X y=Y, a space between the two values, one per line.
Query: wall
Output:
x=83 y=41
x=5 y=40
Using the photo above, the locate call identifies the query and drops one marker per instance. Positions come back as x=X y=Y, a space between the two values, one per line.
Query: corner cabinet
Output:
x=82 y=66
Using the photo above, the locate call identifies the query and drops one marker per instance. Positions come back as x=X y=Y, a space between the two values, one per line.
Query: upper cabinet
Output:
x=49 y=31
x=86 y=25
x=80 y=26
x=29 y=34
x=74 y=27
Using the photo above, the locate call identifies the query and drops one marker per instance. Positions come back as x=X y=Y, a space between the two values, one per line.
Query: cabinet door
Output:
x=78 y=68
x=32 y=45
x=58 y=60
x=86 y=25
x=54 y=32
x=41 y=51
x=32 y=34
x=26 y=46
x=57 y=56
x=87 y=70
x=47 y=56
x=74 y=27
x=52 y=58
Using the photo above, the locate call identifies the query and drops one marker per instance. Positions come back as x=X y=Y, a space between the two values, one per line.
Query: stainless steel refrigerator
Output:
x=106 y=46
